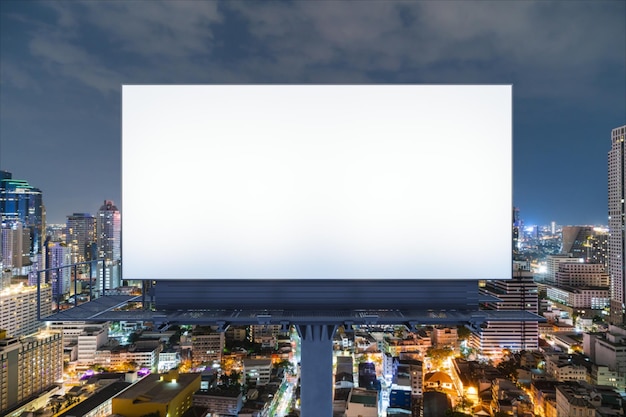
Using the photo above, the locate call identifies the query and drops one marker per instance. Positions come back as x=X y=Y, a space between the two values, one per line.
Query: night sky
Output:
x=62 y=65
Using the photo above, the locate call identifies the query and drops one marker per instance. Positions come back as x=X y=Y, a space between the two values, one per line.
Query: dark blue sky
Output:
x=62 y=65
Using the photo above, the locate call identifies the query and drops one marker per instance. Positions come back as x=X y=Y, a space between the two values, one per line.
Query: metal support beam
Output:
x=316 y=369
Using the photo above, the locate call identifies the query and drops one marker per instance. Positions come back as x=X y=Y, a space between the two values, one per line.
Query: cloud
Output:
x=547 y=49
x=552 y=46
x=74 y=62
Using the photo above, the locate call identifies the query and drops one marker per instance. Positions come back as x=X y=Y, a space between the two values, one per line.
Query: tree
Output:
x=463 y=332
x=133 y=337
x=438 y=356
x=285 y=364
x=509 y=367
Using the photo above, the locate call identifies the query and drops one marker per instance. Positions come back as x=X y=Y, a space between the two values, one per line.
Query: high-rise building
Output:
x=516 y=227
x=553 y=262
x=28 y=366
x=14 y=246
x=80 y=235
x=517 y=293
x=58 y=258
x=617 y=213
x=18 y=308
x=108 y=238
x=585 y=242
x=22 y=202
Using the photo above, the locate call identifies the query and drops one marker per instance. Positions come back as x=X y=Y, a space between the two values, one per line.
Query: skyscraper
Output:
x=616 y=188
x=58 y=257
x=586 y=242
x=20 y=202
x=80 y=235
x=108 y=235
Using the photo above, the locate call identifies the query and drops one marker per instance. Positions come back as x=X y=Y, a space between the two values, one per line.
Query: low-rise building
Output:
x=362 y=403
x=207 y=345
x=445 y=337
x=410 y=375
x=257 y=371
x=574 y=400
x=220 y=401
x=169 y=394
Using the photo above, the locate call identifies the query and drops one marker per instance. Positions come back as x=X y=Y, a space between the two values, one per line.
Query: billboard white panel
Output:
x=316 y=181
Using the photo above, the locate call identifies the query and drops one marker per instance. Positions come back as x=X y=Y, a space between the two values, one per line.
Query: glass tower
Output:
x=21 y=202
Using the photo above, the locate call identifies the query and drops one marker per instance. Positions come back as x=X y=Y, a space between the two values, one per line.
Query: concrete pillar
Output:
x=316 y=369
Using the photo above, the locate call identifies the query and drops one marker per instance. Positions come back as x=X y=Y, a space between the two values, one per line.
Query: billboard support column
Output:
x=316 y=369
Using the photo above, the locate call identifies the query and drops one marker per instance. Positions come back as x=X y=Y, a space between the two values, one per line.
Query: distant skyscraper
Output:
x=586 y=242
x=516 y=227
x=21 y=202
x=14 y=246
x=58 y=255
x=109 y=231
x=80 y=235
x=617 y=191
x=109 y=236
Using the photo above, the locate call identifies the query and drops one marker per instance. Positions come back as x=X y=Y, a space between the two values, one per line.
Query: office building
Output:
x=520 y=294
x=586 y=242
x=169 y=395
x=80 y=236
x=207 y=345
x=592 y=299
x=576 y=274
x=58 y=275
x=71 y=330
x=257 y=372
x=553 y=262
x=89 y=341
x=109 y=238
x=226 y=401
x=608 y=349
x=28 y=366
x=617 y=213
x=18 y=309
x=19 y=201
x=14 y=247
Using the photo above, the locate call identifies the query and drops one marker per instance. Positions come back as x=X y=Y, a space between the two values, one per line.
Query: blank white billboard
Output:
x=317 y=181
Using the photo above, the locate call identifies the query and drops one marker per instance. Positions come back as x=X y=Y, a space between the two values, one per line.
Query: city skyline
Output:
x=63 y=64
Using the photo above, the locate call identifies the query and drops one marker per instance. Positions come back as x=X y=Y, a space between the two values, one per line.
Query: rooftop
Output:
x=152 y=389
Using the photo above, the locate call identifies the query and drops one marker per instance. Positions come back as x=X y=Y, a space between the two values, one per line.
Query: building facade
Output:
x=586 y=242
x=207 y=345
x=617 y=213
x=58 y=275
x=109 y=238
x=21 y=202
x=80 y=236
x=518 y=293
x=18 y=309
x=28 y=366
x=577 y=274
